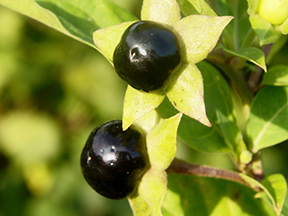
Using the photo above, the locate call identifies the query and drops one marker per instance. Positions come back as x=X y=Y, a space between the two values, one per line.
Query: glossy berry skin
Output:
x=147 y=55
x=113 y=161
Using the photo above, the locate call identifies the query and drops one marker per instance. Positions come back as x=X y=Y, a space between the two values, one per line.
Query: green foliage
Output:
x=227 y=97
x=267 y=125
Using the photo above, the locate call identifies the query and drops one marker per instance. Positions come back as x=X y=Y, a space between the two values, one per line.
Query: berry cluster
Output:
x=113 y=161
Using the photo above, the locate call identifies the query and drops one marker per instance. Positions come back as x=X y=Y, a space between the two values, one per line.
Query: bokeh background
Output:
x=53 y=92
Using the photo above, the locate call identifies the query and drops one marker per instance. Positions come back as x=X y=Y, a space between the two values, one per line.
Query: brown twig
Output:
x=181 y=167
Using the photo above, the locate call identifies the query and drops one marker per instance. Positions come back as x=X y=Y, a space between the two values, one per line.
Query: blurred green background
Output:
x=53 y=92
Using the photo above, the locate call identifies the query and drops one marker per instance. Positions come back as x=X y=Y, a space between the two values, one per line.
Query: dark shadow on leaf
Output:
x=79 y=24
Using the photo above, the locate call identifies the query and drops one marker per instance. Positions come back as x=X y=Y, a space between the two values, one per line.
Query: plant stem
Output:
x=181 y=167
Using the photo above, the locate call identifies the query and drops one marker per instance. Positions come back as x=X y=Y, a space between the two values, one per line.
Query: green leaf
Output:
x=274 y=186
x=216 y=96
x=189 y=7
x=165 y=11
x=239 y=33
x=77 y=19
x=200 y=34
x=191 y=195
x=277 y=75
x=108 y=38
x=137 y=104
x=268 y=119
x=187 y=94
x=251 y=54
x=265 y=31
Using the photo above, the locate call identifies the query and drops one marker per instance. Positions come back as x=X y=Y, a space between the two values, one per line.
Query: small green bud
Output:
x=273 y=11
x=245 y=157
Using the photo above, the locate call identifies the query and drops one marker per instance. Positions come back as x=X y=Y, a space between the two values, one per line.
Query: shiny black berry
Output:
x=113 y=161
x=147 y=55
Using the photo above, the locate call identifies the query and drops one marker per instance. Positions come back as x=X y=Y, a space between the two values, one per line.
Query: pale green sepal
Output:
x=187 y=94
x=264 y=30
x=161 y=142
x=165 y=11
x=251 y=54
x=284 y=27
x=108 y=38
x=274 y=186
x=138 y=205
x=148 y=121
x=200 y=34
x=137 y=104
x=153 y=189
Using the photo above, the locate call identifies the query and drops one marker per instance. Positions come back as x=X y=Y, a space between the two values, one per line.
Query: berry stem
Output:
x=181 y=167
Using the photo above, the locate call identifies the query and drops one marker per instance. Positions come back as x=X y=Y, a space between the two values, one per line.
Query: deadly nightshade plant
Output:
x=198 y=36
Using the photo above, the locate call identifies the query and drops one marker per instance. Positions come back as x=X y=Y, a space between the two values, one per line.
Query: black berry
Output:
x=147 y=55
x=113 y=161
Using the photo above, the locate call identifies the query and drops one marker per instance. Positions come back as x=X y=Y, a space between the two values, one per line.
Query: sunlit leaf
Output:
x=251 y=54
x=268 y=118
x=274 y=187
x=187 y=94
x=165 y=11
x=77 y=19
x=137 y=104
x=200 y=34
x=277 y=75
x=190 y=195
